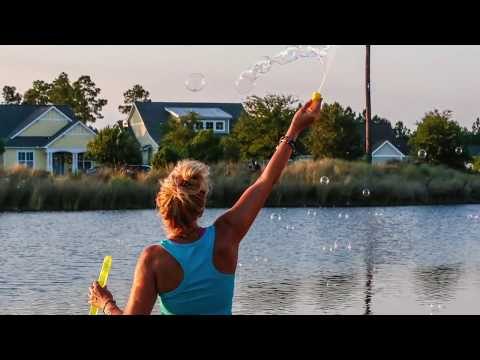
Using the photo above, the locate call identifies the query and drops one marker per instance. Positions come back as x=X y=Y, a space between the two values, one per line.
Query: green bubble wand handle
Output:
x=102 y=279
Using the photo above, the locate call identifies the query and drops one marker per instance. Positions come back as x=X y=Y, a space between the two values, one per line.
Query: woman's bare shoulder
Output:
x=156 y=255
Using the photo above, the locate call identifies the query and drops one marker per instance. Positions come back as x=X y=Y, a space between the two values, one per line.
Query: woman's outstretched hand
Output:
x=99 y=296
x=305 y=117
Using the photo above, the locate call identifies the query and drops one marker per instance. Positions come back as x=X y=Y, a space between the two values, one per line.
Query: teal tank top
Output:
x=204 y=290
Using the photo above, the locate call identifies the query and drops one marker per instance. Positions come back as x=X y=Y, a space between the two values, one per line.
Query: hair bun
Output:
x=182 y=196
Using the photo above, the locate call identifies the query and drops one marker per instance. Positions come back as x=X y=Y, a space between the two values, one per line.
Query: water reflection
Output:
x=437 y=283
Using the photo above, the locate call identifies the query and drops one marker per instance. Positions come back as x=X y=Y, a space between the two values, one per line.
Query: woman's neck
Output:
x=185 y=235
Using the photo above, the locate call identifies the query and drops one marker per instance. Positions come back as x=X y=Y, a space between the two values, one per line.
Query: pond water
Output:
x=398 y=260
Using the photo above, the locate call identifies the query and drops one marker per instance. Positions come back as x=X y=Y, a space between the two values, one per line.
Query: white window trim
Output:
x=26 y=151
x=224 y=126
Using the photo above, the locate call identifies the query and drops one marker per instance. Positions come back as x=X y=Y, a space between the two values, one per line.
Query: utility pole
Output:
x=368 y=115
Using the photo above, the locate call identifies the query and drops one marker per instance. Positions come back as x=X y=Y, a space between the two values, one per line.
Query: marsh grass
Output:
x=399 y=184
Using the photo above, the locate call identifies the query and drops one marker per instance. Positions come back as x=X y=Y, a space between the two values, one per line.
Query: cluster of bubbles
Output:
x=311 y=213
x=247 y=79
x=336 y=246
x=475 y=217
x=422 y=153
x=290 y=227
x=344 y=216
x=434 y=308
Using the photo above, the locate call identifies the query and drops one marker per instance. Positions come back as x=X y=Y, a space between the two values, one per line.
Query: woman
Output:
x=193 y=271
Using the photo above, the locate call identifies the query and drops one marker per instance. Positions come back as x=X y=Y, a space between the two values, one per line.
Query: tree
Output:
x=37 y=94
x=261 y=126
x=439 y=135
x=205 y=146
x=136 y=93
x=164 y=156
x=10 y=95
x=82 y=96
x=178 y=133
x=230 y=148
x=400 y=131
x=114 y=146
x=336 y=134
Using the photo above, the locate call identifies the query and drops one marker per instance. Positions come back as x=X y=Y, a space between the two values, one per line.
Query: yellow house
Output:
x=44 y=137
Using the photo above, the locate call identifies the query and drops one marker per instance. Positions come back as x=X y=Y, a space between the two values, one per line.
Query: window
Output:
x=209 y=125
x=199 y=125
x=25 y=158
x=219 y=126
x=83 y=162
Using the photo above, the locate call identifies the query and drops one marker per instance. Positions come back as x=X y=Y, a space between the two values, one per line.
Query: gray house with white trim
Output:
x=145 y=120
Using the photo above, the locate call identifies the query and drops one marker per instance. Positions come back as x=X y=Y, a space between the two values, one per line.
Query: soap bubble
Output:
x=195 y=82
x=263 y=66
x=246 y=82
x=422 y=154
x=290 y=54
x=272 y=216
x=324 y=180
x=349 y=246
x=324 y=248
x=340 y=215
x=458 y=150
x=346 y=216
x=366 y=193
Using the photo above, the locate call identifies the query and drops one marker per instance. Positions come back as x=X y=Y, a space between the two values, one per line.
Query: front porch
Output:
x=67 y=161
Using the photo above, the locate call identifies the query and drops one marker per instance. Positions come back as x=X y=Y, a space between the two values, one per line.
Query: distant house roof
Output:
x=387 y=143
x=156 y=113
x=203 y=113
x=13 y=118
x=380 y=132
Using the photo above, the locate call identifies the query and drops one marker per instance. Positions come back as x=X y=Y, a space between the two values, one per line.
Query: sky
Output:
x=406 y=81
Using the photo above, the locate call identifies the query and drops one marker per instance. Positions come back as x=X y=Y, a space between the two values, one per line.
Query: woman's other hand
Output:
x=99 y=296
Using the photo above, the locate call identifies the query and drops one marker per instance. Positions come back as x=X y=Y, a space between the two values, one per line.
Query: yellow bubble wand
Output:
x=102 y=279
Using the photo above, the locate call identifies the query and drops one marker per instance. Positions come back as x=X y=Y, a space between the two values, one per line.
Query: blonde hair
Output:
x=183 y=195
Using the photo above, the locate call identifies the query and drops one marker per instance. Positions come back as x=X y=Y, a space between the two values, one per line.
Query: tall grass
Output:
x=401 y=184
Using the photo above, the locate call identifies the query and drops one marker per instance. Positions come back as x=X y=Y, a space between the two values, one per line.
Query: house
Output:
x=386 y=152
x=44 y=137
x=145 y=120
x=385 y=146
